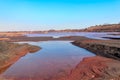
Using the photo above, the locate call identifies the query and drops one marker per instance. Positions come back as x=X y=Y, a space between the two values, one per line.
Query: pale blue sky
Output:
x=56 y=14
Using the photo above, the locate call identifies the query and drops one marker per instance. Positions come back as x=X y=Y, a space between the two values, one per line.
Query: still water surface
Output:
x=55 y=59
x=92 y=35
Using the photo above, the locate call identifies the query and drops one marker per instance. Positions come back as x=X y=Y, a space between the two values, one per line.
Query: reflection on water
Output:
x=55 y=59
x=92 y=35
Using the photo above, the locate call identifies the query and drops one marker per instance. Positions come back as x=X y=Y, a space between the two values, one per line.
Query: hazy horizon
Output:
x=30 y=15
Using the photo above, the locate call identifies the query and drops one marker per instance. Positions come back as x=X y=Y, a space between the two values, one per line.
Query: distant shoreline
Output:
x=96 y=28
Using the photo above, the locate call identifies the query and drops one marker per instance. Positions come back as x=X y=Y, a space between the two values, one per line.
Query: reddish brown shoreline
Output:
x=16 y=53
x=95 y=68
x=106 y=48
x=22 y=52
x=98 y=67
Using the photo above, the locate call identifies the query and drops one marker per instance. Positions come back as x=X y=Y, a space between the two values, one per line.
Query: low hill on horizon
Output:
x=104 y=28
x=96 y=28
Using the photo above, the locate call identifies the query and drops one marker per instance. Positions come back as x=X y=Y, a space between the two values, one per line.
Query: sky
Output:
x=24 y=15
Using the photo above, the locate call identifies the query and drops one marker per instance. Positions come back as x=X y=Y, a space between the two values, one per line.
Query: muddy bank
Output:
x=106 y=48
x=98 y=67
x=11 y=52
x=95 y=68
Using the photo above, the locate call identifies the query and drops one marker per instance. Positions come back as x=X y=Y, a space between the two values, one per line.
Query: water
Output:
x=55 y=59
x=92 y=35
